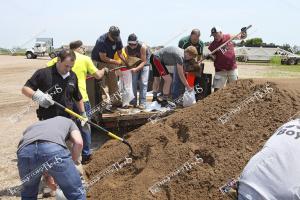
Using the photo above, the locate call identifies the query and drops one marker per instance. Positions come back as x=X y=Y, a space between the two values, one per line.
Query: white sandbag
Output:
x=125 y=87
x=189 y=98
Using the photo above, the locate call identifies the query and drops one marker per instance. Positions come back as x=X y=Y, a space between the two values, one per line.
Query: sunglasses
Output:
x=132 y=44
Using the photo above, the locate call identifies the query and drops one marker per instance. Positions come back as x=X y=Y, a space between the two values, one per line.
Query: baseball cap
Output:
x=215 y=30
x=114 y=32
x=132 y=39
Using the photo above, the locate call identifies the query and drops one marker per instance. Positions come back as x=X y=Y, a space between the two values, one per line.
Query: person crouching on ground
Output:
x=42 y=150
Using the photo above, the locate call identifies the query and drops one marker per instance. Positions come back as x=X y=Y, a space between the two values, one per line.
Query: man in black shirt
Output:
x=57 y=82
x=103 y=56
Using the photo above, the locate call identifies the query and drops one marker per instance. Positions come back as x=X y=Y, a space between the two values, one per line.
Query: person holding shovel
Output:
x=56 y=83
x=224 y=59
x=82 y=67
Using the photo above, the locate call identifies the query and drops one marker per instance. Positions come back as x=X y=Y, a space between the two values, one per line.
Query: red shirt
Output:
x=225 y=57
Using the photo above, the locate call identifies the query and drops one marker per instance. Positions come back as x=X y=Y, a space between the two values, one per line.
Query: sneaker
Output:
x=86 y=159
x=47 y=192
x=141 y=107
x=163 y=103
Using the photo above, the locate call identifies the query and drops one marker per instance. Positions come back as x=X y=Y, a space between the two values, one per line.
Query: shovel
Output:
x=110 y=134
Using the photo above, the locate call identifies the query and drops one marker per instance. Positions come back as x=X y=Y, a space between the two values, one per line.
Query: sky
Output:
x=155 y=22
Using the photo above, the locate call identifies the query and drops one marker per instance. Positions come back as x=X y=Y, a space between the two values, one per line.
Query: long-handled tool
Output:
x=225 y=43
x=96 y=126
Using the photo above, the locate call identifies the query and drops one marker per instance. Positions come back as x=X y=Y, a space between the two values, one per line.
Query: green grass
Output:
x=287 y=68
x=275 y=60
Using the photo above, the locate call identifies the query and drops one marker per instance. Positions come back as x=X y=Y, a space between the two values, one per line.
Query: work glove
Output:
x=243 y=32
x=106 y=70
x=244 y=29
x=44 y=100
x=83 y=122
x=209 y=57
x=85 y=126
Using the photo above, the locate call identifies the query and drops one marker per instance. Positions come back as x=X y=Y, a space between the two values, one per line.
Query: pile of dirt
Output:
x=167 y=145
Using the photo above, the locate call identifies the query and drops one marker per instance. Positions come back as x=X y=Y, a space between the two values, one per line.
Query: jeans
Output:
x=36 y=158
x=85 y=133
x=177 y=86
x=140 y=78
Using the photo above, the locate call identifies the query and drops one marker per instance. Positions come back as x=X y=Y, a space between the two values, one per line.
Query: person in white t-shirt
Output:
x=274 y=172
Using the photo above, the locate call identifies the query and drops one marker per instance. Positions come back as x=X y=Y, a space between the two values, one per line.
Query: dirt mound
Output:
x=168 y=150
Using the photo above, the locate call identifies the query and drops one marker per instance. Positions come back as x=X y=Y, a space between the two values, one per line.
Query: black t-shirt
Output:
x=64 y=91
x=105 y=45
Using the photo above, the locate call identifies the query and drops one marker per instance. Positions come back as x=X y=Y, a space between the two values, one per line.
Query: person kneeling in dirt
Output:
x=224 y=59
x=43 y=150
x=172 y=56
x=274 y=172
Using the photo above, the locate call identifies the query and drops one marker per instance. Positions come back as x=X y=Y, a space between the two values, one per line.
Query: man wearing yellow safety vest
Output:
x=82 y=67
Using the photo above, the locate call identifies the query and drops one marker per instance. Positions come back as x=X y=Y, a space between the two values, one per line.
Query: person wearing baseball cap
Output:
x=191 y=40
x=103 y=56
x=224 y=59
x=140 y=73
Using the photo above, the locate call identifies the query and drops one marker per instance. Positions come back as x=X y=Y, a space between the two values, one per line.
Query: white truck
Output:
x=265 y=54
x=41 y=47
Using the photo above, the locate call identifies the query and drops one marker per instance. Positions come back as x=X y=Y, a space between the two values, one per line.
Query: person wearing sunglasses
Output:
x=140 y=73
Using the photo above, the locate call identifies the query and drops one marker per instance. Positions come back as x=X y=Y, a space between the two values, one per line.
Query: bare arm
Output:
x=99 y=74
x=181 y=75
x=122 y=57
x=80 y=106
x=143 y=58
x=240 y=36
x=28 y=92
x=106 y=59
x=76 y=139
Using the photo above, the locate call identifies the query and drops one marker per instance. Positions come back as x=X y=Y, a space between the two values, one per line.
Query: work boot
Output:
x=86 y=159
x=154 y=99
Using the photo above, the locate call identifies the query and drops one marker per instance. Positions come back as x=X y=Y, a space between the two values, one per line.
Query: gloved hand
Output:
x=243 y=32
x=85 y=126
x=244 y=29
x=209 y=57
x=44 y=100
x=106 y=70
x=83 y=122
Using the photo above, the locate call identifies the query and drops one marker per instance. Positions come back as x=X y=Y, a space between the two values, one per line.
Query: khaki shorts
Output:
x=109 y=84
x=222 y=77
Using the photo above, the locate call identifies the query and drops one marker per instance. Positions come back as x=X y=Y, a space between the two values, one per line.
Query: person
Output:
x=57 y=82
x=140 y=73
x=102 y=55
x=172 y=56
x=42 y=149
x=82 y=67
x=191 y=40
x=274 y=172
x=224 y=59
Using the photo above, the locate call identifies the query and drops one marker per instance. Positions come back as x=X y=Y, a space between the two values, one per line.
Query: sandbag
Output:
x=189 y=98
x=125 y=87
